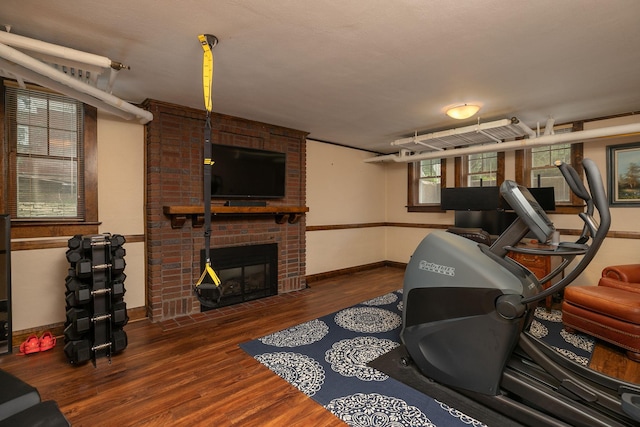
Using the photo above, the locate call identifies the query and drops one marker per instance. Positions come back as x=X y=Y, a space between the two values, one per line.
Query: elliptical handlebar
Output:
x=594 y=197
x=573 y=180
x=575 y=183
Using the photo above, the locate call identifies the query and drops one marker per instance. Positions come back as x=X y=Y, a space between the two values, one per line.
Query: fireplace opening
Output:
x=246 y=272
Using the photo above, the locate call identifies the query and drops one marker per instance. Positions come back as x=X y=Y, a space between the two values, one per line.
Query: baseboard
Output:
x=350 y=270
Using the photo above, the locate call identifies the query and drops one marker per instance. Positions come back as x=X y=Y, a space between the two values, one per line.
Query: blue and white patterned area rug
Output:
x=327 y=359
x=547 y=326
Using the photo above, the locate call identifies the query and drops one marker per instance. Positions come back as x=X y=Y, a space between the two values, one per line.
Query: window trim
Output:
x=46 y=227
x=412 y=188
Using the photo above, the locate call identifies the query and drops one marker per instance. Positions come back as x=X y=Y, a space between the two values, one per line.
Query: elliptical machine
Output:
x=468 y=308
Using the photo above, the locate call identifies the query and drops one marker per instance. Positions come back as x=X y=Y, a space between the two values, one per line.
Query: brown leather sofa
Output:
x=609 y=311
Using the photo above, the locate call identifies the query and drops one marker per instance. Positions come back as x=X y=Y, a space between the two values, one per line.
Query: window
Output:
x=426 y=178
x=544 y=173
x=47 y=160
x=482 y=170
x=47 y=177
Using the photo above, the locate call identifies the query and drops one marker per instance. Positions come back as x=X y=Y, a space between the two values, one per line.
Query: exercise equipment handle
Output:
x=598 y=198
x=573 y=180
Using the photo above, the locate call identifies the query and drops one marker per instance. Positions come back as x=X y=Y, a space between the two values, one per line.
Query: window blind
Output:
x=44 y=131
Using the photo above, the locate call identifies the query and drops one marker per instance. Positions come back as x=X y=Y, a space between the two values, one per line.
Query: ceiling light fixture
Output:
x=464 y=111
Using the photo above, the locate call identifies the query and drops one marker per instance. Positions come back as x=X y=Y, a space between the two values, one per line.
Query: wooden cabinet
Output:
x=540 y=266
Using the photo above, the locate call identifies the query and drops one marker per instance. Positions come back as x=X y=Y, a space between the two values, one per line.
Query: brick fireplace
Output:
x=174 y=144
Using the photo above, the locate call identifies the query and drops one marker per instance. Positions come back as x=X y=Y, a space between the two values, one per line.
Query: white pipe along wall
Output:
x=405 y=156
x=71 y=87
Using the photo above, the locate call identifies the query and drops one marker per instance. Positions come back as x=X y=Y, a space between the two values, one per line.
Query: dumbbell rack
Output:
x=96 y=311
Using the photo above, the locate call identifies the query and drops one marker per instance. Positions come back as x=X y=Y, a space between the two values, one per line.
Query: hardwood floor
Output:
x=192 y=372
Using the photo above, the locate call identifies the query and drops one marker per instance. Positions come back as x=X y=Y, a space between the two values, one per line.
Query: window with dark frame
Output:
x=544 y=173
x=482 y=170
x=51 y=190
x=45 y=137
x=426 y=178
x=486 y=169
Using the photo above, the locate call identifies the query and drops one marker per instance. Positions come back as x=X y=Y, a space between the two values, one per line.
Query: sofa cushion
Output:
x=612 y=302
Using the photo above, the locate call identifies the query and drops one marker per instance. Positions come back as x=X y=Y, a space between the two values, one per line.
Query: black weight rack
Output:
x=96 y=311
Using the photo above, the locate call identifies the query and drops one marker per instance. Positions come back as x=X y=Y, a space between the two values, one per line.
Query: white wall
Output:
x=342 y=189
x=38 y=276
x=121 y=195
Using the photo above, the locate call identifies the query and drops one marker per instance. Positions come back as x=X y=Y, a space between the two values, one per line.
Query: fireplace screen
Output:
x=245 y=272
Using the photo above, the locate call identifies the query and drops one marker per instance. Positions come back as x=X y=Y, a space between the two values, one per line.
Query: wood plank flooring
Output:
x=191 y=371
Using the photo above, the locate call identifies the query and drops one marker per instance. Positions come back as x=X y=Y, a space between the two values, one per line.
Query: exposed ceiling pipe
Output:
x=57 y=51
x=548 y=127
x=22 y=73
x=74 y=88
x=552 y=139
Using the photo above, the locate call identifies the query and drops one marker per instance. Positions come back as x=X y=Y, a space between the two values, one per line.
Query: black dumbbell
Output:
x=119 y=252
x=74 y=255
x=78 y=351
x=75 y=242
x=117 y=290
x=84 y=268
x=118 y=341
x=119 y=314
x=80 y=296
x=79 y=323
x=117 y=265
x=117 y=240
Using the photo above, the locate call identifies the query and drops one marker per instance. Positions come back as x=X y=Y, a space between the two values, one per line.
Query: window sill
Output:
x=32 y=229
x=425 y=208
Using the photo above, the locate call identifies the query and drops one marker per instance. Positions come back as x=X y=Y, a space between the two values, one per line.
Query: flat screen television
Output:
x=545 y=196
x=247 y=173
x=488 y=198
x=470 y=198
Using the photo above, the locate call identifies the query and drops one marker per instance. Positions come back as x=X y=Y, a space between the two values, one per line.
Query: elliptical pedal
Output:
x=631 y=405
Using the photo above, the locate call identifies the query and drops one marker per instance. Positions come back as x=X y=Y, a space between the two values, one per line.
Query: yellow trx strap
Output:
x=208 y=271
x=207 y=41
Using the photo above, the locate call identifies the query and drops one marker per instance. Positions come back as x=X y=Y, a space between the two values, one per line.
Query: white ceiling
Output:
x=361 y=73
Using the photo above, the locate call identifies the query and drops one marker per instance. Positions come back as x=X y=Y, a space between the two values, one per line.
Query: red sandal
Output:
x=47 y=341
x=31 y=345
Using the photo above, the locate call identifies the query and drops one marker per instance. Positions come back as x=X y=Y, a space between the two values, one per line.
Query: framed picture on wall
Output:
x=623 y=172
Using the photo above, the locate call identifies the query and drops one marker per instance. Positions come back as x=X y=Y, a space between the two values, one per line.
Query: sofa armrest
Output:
x=626 y=273
x=619 y=284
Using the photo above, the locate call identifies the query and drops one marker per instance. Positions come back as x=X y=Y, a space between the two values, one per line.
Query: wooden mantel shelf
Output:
x=282 y=214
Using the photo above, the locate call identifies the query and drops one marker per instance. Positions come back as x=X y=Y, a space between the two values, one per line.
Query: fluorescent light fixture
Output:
x=464 y=111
